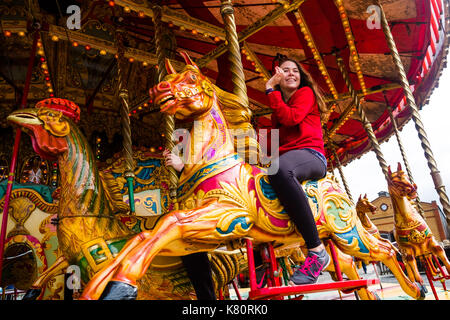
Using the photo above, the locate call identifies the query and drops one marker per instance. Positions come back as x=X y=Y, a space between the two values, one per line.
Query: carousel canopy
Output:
x=77 y=59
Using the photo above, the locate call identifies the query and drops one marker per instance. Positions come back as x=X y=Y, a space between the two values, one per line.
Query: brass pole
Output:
x=341 y=172
x=125 y=119
x=362 y=115
x=168 y=120
x=237 y=71
x=403 y=153
x=435 y=175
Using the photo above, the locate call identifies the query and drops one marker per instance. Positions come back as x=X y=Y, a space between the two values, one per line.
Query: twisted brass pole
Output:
x=362 y=115
x=237 y=71
x=168 y=120
x=341 y=172
x=435 y=175
x=403 y=153
x=125 y=119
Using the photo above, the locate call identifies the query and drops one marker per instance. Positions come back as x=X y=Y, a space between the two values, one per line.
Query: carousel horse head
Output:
x=47 y=125
x=364 y=205
x=185 y=95
x=399 y=185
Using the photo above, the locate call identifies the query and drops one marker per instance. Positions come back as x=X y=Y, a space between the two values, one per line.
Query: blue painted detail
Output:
x=147 y=167
x=267 y=189
x=352 y=234
x=203 y=172
x=233 y=224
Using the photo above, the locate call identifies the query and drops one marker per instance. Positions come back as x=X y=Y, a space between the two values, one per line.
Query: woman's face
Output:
x=291 y=79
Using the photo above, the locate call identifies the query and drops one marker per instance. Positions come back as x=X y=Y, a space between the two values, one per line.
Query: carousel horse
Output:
x=413 y=236
x=224 y=199
x=89 y=229
x=364 y=206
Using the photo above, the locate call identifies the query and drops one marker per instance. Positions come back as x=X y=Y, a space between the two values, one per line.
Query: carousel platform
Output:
x=387 y=289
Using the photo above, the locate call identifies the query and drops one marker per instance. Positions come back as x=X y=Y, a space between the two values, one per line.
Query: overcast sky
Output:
x=365 y=175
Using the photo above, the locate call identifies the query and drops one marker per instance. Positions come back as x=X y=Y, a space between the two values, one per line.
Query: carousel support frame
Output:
x=431 y=162
x=278 y=292
x=168 y=120
x=125 y=120
x=402 y=152
x=17 y=138
x=362 y=115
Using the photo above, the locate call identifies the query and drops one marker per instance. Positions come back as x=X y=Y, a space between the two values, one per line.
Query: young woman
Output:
x=296 y=101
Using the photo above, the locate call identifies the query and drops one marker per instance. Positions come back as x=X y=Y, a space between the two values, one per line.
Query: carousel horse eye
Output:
x=193 y=77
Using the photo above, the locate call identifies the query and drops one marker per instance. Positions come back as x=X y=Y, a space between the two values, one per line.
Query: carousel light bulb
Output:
x=75 y=44
x=40 y=52
x=7 y=33
x=102 y=52
x=145 y=63
x=127 y=9
x=55 y=38
x=141 y=14
x=87 y=47
x=21 y=34
x=131 y=59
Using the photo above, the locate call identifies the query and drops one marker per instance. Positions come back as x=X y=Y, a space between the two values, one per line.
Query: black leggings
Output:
x=199 y=272
x=295 y=166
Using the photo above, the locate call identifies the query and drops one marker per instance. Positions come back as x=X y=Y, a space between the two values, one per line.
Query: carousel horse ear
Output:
x=365 y=196
x=188 y=59
x=170 y=69
x=399 y=167
x=389 y=170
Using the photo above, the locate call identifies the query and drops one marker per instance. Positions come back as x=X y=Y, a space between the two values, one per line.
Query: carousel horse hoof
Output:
x=32 y=294
x=423 y=290
x=117 y=290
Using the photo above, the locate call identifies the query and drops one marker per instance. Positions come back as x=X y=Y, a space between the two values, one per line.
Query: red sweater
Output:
x=298 y=120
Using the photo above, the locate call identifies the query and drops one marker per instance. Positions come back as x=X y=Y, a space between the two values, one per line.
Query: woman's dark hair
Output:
x=305 y=81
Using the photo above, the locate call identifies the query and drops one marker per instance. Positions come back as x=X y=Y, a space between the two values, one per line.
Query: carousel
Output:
x=92 y=92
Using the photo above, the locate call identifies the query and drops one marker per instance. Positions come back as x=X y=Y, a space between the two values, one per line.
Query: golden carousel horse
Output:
x=90 y=230
x=364 y=206
x=223 y=199
x=413 y=236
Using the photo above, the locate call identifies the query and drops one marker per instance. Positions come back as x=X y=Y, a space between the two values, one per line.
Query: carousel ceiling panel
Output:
x=90 y=76
x=379 y=65
x=395 y=10
x=247 y=12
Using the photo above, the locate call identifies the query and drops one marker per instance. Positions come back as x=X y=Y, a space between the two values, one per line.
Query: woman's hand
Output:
x=276 y=78
x=171 y=159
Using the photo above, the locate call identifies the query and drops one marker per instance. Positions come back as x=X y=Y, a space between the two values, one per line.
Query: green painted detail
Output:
x=98 y=256
x=333 y=210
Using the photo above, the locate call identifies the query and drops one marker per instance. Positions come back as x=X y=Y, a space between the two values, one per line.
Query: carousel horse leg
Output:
x=347 y=265
x=428 y=272
x=98 y=283
x=440 y=253
x=133 y=261
x=57 y=268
